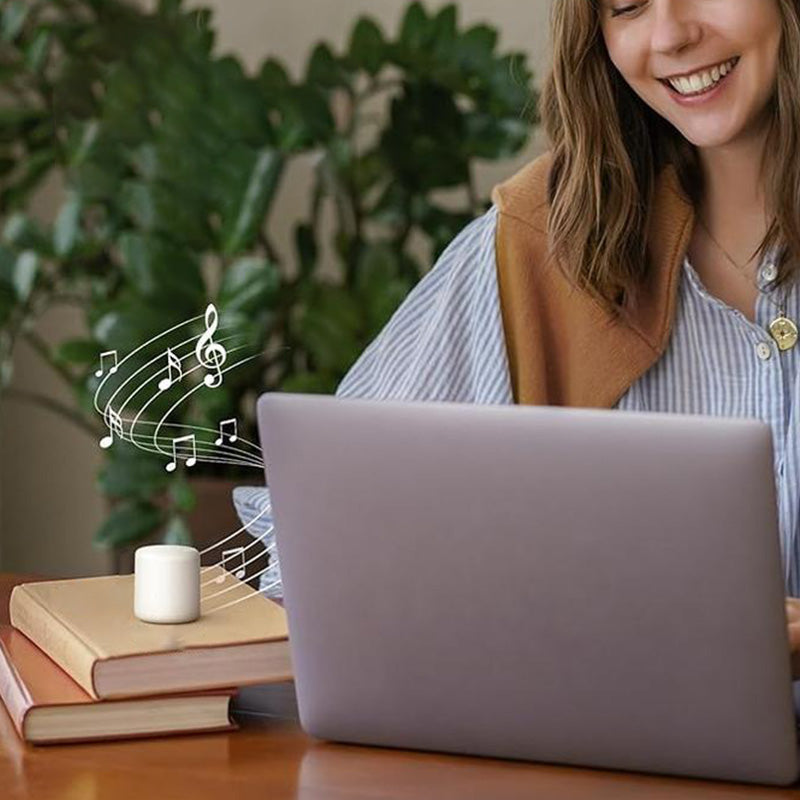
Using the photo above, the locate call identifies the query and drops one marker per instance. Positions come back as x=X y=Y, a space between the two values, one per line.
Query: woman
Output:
x=647 y=261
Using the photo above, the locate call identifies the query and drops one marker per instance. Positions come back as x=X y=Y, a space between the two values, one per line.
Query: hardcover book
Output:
x=88 y=628
x=48 y=707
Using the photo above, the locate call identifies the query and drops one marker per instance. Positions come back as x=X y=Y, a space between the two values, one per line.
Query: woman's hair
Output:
x=608 y=146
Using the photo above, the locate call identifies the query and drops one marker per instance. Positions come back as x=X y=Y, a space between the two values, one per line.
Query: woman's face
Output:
x=722 y=56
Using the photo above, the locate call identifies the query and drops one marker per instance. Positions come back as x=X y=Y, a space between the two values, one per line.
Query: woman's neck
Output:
x=734 y=198
x=734 y=210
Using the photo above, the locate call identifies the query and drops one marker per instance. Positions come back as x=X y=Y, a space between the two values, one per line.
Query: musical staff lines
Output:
x=140 y=393
x=173 y=369
x=239 y=554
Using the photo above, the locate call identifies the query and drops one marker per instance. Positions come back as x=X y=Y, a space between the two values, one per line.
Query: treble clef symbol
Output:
x=209 y=353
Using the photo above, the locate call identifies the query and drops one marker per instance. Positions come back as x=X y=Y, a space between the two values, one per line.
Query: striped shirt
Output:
x=446 y=342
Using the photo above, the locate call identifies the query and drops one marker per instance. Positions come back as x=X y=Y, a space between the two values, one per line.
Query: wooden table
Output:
x=270 y=758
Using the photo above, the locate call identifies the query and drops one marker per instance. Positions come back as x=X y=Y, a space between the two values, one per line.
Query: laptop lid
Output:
x=590 y=587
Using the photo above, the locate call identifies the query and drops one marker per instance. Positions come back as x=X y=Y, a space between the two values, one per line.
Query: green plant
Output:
x=171 y=159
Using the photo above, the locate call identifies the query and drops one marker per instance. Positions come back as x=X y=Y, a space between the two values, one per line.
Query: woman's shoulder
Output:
x=464 y=265
x=445 y=341
x=523 y=196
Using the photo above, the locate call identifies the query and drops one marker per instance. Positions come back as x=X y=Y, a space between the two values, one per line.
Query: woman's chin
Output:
x=711 y=137
x=721 y=130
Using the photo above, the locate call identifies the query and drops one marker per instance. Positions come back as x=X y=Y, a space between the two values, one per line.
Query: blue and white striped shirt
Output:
x=446 y=342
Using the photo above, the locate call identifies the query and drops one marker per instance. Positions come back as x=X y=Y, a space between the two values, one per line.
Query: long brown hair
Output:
x=608 y=146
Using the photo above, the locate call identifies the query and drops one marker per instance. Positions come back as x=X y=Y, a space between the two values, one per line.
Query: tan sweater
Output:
x=563 y=348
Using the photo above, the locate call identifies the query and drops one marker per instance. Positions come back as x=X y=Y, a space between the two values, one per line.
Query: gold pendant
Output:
x=784 y=332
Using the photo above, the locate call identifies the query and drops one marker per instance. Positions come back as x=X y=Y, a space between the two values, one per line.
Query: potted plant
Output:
x=171 y=158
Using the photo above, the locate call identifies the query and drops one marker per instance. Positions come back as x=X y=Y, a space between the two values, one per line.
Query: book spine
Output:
x=13 y=691
x=52 y=636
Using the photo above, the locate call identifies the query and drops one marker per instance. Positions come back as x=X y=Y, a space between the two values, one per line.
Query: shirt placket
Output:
x=787 y=461
x=771 y=395
x=773 y=390
x=776 y=400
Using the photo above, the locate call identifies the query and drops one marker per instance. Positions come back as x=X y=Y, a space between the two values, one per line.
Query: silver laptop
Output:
x=587 y=587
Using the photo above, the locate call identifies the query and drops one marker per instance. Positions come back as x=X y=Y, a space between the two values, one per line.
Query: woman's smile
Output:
x=701 y=86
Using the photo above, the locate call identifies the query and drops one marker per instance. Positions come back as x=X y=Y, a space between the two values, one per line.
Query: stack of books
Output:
x=76 y=665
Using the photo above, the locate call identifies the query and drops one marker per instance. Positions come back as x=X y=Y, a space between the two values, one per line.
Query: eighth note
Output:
x=230 y=424
x=236 y=554
x=114 y=422
x=173 y=363
x=190 y=460
x=109 y=355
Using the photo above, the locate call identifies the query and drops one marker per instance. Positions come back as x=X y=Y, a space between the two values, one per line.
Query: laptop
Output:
x=587 y=587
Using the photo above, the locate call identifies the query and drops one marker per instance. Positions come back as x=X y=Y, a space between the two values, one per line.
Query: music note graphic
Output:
x=108 y=355
x=173 y=365
x=114 y=422
x=209 y=353
x=230 y=424
x=236 y=554
x=190 y=460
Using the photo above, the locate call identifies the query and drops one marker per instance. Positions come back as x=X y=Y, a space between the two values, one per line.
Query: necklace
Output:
x=782 y=329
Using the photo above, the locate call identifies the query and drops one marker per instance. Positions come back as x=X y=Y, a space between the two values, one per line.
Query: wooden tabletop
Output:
x=270 y=758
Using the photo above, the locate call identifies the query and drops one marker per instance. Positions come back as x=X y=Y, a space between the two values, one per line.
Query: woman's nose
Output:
x=675 y=25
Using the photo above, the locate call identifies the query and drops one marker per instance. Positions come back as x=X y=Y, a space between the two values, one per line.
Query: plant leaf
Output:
x=307 y=118
x=249 y=285
x=132 y=473
x=328 y=325
x=163 y=272
x=23 y=232
x=67 y=225
x=251 y=209
x=131 y=321
x=273 y=78
x=415 y=28
x=367 y=46
x=78 y=351
x=38 y=50
x=25 y=271
x=15 y=12
x=128 y=523
x=325 y=70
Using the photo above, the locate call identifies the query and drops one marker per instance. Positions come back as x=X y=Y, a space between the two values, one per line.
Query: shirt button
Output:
x=763 y=351
x=770 y=272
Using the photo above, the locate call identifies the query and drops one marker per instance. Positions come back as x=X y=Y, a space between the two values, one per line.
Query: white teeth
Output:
x=702 y=80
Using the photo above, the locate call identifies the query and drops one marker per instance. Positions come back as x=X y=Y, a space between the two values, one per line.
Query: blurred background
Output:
x=300 y=164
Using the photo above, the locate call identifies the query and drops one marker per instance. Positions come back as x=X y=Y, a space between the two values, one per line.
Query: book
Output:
x=87 y=626
x=47 y=707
